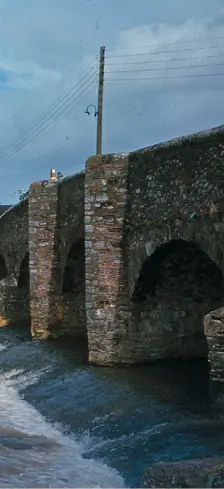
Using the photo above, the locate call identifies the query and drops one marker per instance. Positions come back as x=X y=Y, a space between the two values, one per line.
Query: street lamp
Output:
x=88 y=112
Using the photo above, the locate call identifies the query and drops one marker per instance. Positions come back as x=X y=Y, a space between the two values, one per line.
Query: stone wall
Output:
x=140 y=270
x=106 y=284
x=71 y=218
x=14 y=296
x=178 y=285
x=56 y=224
x=176 y=193
x=44 y=259
x=135 y=204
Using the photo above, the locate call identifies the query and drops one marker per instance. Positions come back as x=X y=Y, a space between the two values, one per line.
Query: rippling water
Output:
x=66 y=424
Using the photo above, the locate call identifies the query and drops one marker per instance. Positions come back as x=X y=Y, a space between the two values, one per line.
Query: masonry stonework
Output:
x=169 y=258
x=106 y=280
x=72 y=250
x=57 y=272
x=177 y=196
x=129 y=253
x=14 y=292
x=44 y=260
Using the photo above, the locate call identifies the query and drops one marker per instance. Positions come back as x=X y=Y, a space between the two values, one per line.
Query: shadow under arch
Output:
x=3 y=292
x=177 y=286
x=3 y=268
x=73 y=291
x=24 y=274
x=14 y=310
x=23 y=300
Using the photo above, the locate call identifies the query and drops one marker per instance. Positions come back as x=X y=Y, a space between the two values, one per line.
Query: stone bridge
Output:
x=128 y=253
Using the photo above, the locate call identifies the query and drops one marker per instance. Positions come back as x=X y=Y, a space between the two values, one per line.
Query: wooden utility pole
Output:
x=100 y=102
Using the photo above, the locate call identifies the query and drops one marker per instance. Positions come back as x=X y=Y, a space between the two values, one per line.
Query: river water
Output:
x=66 y=424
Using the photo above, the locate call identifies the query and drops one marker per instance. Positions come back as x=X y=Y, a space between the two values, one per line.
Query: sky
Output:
x=48 y=76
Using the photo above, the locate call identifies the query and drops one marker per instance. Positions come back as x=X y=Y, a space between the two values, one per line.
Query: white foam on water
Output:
x=92 y=444
x=34 y=453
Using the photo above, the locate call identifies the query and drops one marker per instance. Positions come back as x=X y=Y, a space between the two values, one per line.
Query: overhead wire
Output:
x=62 y=98
x=54 y=124
x=58 y=101
x=65 y=101
x=207 y=65
x=66 y=111
x=164 y=77
x=163 y=52
x=136 y=68
x=169 y=60
x=126 y=48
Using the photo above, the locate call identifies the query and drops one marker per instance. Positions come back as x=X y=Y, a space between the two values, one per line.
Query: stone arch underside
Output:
x=14 y=295
x=24 y=290
x=73 y=291
x=3 y=276
x=178 y=285
x=203 y=233
x=3 y=268
x=24 y=275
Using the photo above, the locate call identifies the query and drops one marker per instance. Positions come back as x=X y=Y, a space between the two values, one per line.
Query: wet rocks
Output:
x=207 y=473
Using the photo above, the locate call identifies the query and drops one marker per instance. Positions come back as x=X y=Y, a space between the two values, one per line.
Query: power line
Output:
x=61 y=98
x=165 y=69
x=70 y=88
x=169 y=60
x=32 y=133
x=68 y=95
x=70 y=108
x=221 y=38
x=76 y=90
x=49 y=127
x=21 y=144
x=163 y=52
x=67 y=110
x=164 y=77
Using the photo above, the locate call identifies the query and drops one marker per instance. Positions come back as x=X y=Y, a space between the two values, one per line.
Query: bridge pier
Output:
x=44 y=260
x=106 y=271
x=115 y=208
x=134 y=204
x=214 y=330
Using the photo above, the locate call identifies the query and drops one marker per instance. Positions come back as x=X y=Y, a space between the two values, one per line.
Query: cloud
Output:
x=168 y=93
x=16 y=75
x=46 y=47
x=169 y=57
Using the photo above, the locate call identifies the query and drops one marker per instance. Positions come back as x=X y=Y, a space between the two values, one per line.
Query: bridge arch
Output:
x=24 y=274
x=74 y=271
x=177 y=286
x=203 y=234
x=23 y=292
x=73 y=290
x=3 y=268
